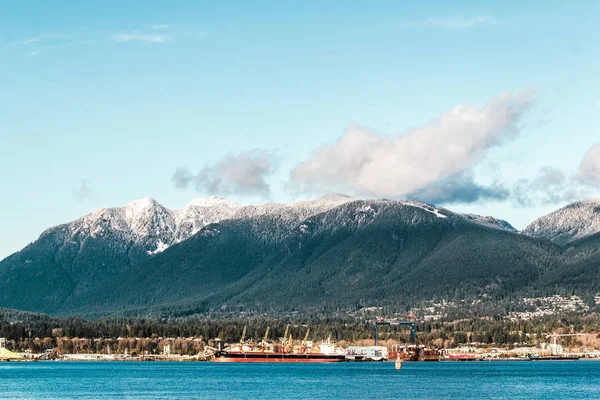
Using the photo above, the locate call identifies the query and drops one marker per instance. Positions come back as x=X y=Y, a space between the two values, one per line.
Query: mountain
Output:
x=71 y=258
x=330 y=253
x=581 y=266
x=570 y=223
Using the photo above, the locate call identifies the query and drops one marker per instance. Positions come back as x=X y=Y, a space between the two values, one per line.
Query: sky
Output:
x=481 y=107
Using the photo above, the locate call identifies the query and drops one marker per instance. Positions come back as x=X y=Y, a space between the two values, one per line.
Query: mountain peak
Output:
x=141 y=204
x=335 y=197
x=586 y=202
x=574 y=221
x=212 y=201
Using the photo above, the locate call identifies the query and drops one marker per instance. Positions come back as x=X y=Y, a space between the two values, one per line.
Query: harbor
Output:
x=286 y=349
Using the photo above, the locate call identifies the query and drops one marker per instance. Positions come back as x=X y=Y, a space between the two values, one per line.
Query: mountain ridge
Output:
x=331 y=251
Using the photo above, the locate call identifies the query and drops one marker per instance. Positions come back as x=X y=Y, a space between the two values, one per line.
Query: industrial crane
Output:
x=284 y=340
x=243 y=338
x=266 y=335
x=557 y=335
x=287 y=329
x=263 y=344
x=304 y=342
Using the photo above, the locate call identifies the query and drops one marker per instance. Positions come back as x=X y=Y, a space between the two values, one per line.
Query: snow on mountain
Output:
x=153 y=228
x=147 y=218
x=144 y=223
x=569 y=223
x=426 y=207
x=201 y=212
x=147 y=227
x=490 y=222
x=353 y=215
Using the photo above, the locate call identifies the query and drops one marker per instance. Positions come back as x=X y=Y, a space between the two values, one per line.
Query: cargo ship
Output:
x=257 y=356
x=285 y=351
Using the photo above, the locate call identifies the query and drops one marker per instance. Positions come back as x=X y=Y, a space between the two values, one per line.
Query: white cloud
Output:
x=553 y=186
x=45 y=37
x=589 y=170
x=139 y=37
x=458 y=22
x=549 y=186
x=429 y=160
x=243 y=173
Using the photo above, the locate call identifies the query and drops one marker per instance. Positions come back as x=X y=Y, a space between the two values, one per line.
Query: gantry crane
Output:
x=382 y=322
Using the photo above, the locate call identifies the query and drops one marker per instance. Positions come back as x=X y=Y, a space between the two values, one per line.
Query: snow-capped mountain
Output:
x=569 y=223
x=147 y=224
x=361 y=249
x=143 y=223
x=213 y=251
x=110 y=241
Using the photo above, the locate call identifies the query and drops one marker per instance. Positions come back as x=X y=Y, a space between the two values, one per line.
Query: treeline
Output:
x=189 y=335
x=133 y=346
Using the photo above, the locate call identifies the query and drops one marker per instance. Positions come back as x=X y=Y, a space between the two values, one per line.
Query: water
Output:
x=156 y=380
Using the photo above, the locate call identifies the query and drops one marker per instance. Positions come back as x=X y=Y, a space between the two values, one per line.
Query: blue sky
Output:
x=101 y=102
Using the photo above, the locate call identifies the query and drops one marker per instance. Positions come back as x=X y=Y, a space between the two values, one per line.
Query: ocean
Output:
x=205 y=380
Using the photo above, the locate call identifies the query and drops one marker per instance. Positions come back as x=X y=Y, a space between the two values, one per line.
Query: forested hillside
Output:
x=375 y=252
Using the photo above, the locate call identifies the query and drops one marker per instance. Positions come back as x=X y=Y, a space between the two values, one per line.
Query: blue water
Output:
x=443 y=380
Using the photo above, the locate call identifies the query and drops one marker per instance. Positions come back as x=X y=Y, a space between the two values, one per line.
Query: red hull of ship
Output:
x=461 y=357
x=277 y=358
